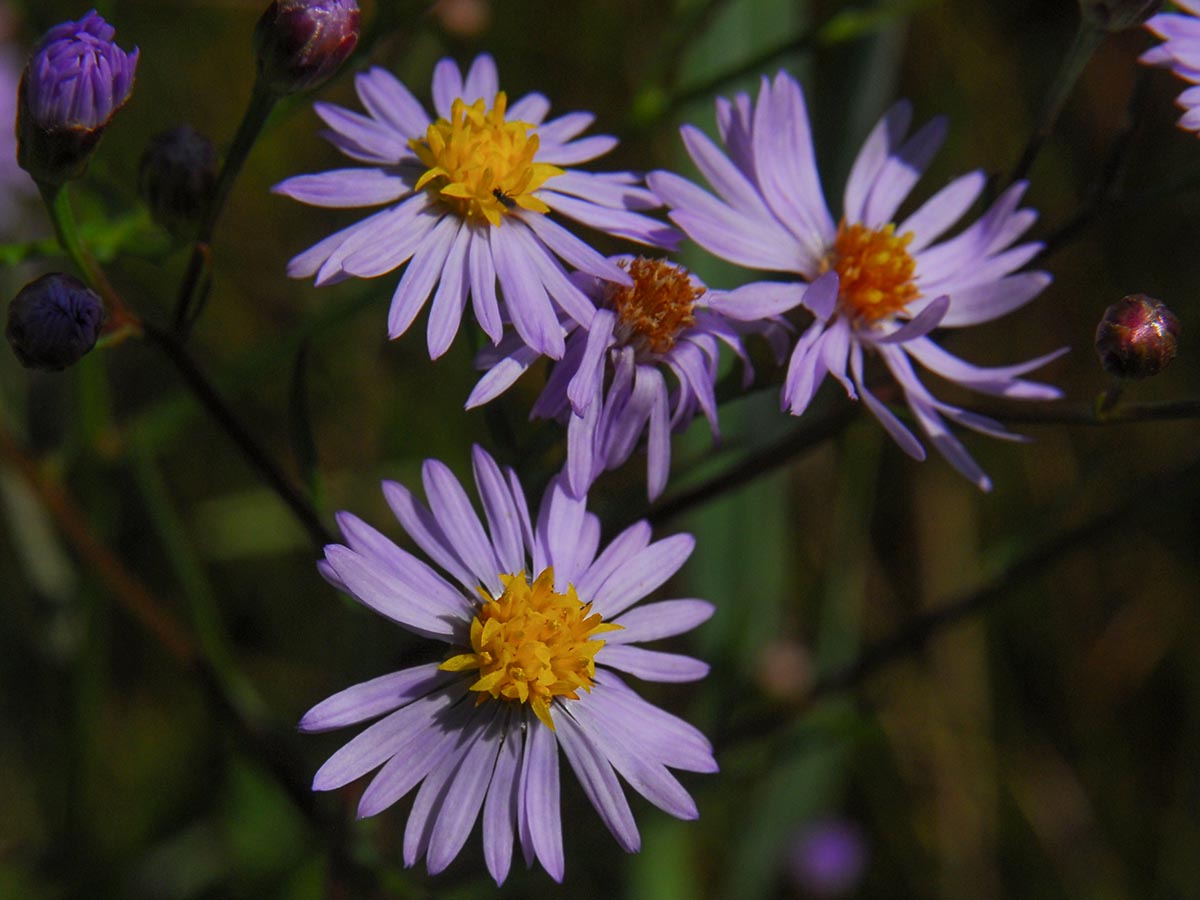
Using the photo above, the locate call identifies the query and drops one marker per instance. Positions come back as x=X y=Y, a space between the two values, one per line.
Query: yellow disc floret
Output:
x=875 y=271
x=657 y=306
x=480 y=165
x=532 y=644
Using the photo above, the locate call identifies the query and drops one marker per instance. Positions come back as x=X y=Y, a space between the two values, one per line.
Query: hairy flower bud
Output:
x=74 y=83
x=1118 y=15
x=301 y=43
x=1137 y=337
x=176 y=177
x=53 y=321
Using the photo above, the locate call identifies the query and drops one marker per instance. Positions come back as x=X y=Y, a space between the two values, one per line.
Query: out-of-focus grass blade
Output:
x=666 y=869
x=159 y=424
x=853 y=22
x=304 y=444
x=792 y=792
x=247 y=524
x=838 y=630
x=47 y=564
x=204 y=611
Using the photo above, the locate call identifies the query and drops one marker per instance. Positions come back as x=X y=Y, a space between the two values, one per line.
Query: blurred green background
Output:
x=1046 y=746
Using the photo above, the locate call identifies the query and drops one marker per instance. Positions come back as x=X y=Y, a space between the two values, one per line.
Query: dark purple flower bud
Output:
x=1137 y=337
x=54 y=321
x=74 y=83
x=1117 y=15
x=300 y=43
x=176 y=177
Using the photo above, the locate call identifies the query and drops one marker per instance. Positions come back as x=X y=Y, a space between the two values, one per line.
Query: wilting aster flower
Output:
x=871 y=283
x=76 y=81
x=1180 y=52
x=521 y=609
x=609 y=386
x=468 y=196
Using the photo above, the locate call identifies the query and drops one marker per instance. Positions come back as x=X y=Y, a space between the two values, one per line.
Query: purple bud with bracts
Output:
x=176 y=177
x=301 y=43
x=54 y=321
x=73 y=85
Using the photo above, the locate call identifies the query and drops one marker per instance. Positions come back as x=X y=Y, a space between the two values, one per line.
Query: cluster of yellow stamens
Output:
x=532 y=644
x=480 y=165
x=657 y=306
x=875 y=271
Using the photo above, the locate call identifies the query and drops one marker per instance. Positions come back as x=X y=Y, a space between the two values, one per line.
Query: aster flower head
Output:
x=1179 y=52
x=646 y=363
x=74 y=83
x=537 y=621
x=872 y=283
x=467 y=199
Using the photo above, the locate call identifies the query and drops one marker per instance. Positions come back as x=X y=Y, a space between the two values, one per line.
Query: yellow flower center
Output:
x=875 y=271
x=532 y=644
x=657 y=306
x=480 y=165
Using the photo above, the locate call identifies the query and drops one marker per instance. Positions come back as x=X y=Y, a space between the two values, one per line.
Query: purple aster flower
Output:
x=536 y=624
x=1180 y=52
x=74 y=84
x=871 y=282
x=610 y=385
x=466 y=200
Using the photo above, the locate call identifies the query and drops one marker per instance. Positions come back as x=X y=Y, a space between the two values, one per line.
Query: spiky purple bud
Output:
x=74 y=83
x=301 y=43
x=1137 y=337
x=53 y=321
x=176 y=177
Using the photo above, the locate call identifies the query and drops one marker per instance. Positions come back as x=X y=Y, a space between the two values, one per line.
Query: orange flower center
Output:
x=657 y=306
x=532 y=644
x=875 y=271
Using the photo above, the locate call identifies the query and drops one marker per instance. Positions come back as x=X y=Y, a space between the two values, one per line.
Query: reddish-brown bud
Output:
x=301 y=43
x=1137 y=337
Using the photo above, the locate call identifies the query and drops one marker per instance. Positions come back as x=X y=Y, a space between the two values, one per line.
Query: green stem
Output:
x=1088 y=37
x=262 y=101
x=121 y=321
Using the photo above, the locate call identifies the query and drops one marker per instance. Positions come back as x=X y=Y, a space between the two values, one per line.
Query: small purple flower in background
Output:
x=468 y=197
x=872 y=284
x=1180 y=52
x=534 y=620
x=75 y=82
x=15 y=184
x=828 y=858
x=610 y=387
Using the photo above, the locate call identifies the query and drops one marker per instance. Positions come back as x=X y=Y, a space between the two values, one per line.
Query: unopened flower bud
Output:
x=74 y=83
x=176 y=177
x=54 y=321
x=1137 y=337
x=1118 y=15
x=301 y=43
